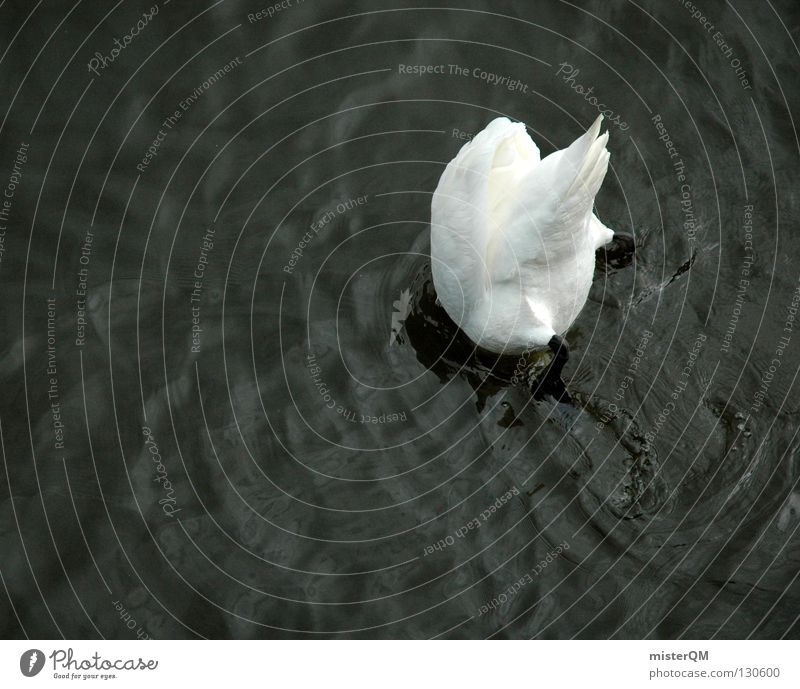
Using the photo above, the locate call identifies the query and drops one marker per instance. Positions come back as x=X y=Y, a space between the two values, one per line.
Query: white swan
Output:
x=513 y=237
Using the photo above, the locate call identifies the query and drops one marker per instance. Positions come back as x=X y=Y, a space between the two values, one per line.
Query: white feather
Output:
x=513 y=236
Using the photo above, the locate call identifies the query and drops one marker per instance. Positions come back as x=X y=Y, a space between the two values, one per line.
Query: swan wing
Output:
x=549 y=215
x=462 y=220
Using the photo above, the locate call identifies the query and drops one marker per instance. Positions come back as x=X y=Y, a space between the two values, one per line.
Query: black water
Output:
x=323 y=455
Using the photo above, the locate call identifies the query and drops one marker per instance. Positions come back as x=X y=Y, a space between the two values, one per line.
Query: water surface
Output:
x=231 y=408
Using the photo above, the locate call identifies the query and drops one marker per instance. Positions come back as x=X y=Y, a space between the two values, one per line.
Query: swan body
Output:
x=513 y=236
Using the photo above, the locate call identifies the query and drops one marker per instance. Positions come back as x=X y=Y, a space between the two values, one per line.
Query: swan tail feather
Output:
x=584 y=166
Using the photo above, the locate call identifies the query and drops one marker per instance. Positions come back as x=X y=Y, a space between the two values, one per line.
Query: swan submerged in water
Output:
x=513 y=237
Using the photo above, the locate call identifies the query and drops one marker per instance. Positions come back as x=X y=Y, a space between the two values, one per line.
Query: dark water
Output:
x=313 y=459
